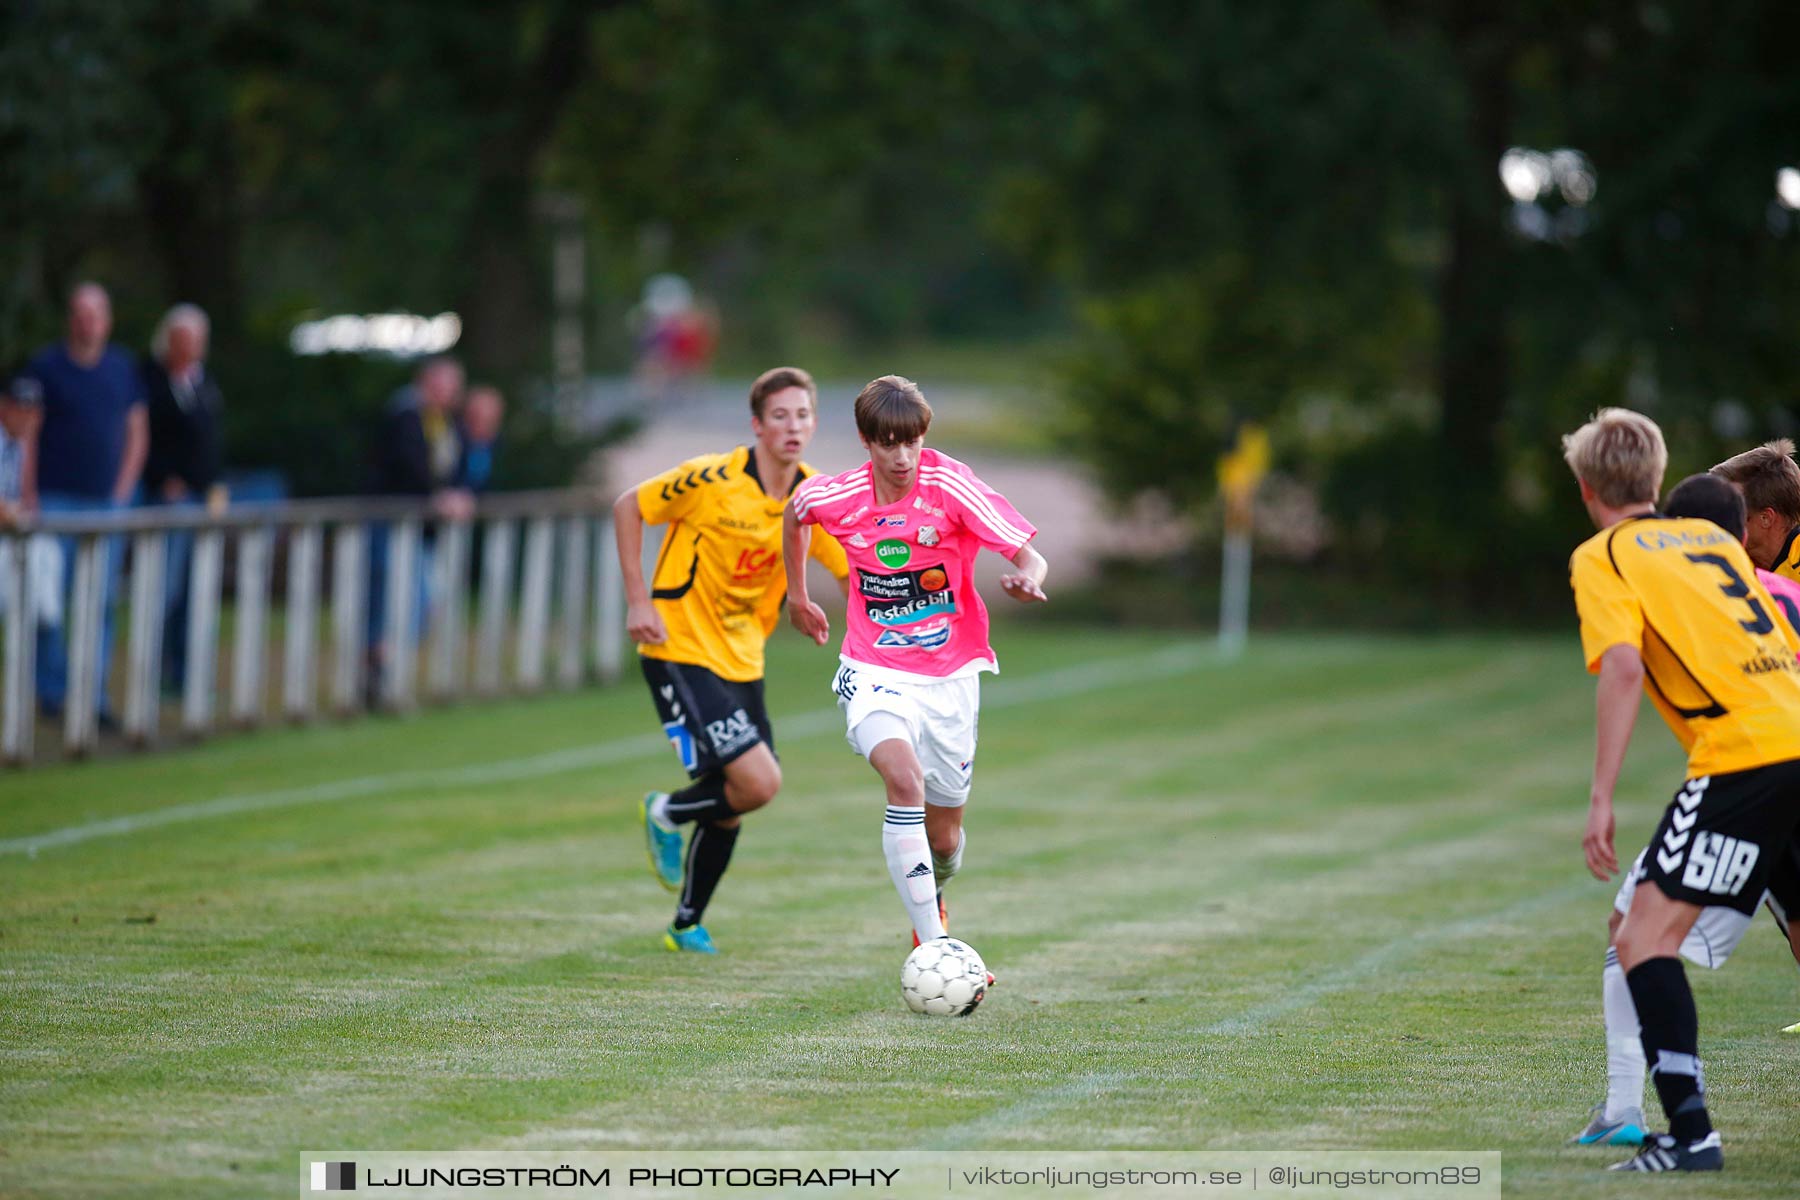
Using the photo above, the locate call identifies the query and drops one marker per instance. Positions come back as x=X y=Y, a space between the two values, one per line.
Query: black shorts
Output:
x=710 y=721
x=1784 y=883
x=1725 y=838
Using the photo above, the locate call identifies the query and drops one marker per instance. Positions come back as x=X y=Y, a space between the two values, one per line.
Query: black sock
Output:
x=1665 y=1006
x=709 y=853
x=702 y=800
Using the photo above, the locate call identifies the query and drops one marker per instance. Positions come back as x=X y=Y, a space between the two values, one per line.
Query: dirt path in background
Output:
x=1058 y=496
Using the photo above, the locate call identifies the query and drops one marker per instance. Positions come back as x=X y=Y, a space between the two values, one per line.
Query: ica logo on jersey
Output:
x=752 y=563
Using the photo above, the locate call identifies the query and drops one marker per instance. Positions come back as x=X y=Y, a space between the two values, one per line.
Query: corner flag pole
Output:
x=1239 y=473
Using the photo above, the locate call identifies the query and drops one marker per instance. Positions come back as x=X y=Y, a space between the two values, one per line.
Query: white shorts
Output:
x=1716 y=932
x=941 y=720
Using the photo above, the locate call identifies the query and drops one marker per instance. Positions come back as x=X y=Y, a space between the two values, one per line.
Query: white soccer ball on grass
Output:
x=944 y=978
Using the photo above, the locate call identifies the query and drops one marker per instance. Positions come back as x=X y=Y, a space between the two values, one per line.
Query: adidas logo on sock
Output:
x=921 y=869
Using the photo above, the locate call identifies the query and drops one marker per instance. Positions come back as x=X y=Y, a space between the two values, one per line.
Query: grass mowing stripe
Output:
x=1372 y=965
x=1117 y=893
x=1149 y=863
x=1384 y=959
x=1365 y=830
x=711 y=1068
x=1051 y=685
x=1056 y=684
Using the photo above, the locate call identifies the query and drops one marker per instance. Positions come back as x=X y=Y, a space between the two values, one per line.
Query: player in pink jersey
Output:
x=911 y=521
x=1619 y=1120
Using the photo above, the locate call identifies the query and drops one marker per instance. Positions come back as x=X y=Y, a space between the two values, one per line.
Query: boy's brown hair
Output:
x=779 y=379
x=892 y=410
x=1768 y=477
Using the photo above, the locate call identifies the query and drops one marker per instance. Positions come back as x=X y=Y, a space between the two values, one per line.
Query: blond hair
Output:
x=1620 y=454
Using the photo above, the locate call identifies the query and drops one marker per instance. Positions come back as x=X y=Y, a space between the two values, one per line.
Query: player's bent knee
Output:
x=1656 y=935
x=905 y=784
x=1613 y=922
x=752 y=779
x=894 y=760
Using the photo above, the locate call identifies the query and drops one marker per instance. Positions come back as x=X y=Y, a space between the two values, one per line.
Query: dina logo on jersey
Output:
x=921 y=637
x=893 y=552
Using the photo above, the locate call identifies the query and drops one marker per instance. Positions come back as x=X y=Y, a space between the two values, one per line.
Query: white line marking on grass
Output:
x=1254 y=1019
x=1379 y=960
x=553 y=763
x=1047 y=685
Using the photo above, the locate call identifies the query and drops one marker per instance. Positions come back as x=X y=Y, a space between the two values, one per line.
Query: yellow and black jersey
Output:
x=719 y=583
x=1719 y=656
x=1787 y=563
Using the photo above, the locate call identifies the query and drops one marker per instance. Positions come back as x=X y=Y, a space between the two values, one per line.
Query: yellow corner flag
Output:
x=1240 y=470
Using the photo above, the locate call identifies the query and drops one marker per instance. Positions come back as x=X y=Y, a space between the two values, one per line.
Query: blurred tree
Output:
x=1236 y=186
x=1291 y=211
x=1346 y=158
x=71 y=122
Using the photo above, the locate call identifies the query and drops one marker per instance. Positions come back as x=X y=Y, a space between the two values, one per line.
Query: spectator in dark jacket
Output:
x=186 y=456
x=418 y=452
x=418 y=448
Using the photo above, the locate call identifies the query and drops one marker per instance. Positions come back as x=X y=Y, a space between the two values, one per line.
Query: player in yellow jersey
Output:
x=1619 y=1119
x=1769 y=479
x=700 y=625
x=1674 y=606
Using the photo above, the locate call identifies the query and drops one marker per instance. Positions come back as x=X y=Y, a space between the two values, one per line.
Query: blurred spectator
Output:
x=676 y=336
x=418 y=452
x=89 y=453
x=483 y=413
x=19 y=420
x=418 y=448
x=186 y=452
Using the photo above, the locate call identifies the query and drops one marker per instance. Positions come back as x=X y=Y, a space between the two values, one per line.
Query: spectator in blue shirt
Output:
x=483 y=411
x=89 y=453
x=19 y=419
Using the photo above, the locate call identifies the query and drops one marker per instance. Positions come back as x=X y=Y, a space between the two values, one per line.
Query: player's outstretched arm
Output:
x=1615 y=711
x=1026 y=585
x=796 y=540
x=642 y=621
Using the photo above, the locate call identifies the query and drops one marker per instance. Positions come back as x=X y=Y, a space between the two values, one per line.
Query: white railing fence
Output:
x=282 y=613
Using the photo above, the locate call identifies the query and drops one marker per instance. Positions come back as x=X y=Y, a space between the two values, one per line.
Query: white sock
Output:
x=659 y=812
x=947 y=868
x=909 y=864
x=1624 y=1043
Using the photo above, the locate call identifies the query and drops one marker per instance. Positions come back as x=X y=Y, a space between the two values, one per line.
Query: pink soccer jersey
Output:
x=1785 y=592
x=913 y=608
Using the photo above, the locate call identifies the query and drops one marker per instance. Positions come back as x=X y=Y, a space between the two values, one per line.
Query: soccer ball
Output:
x=943 y=977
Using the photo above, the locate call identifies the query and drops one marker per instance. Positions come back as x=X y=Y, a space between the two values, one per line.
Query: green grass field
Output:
x=1330 y=896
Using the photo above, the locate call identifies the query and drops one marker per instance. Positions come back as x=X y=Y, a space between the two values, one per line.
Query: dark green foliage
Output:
x=1242 y=210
